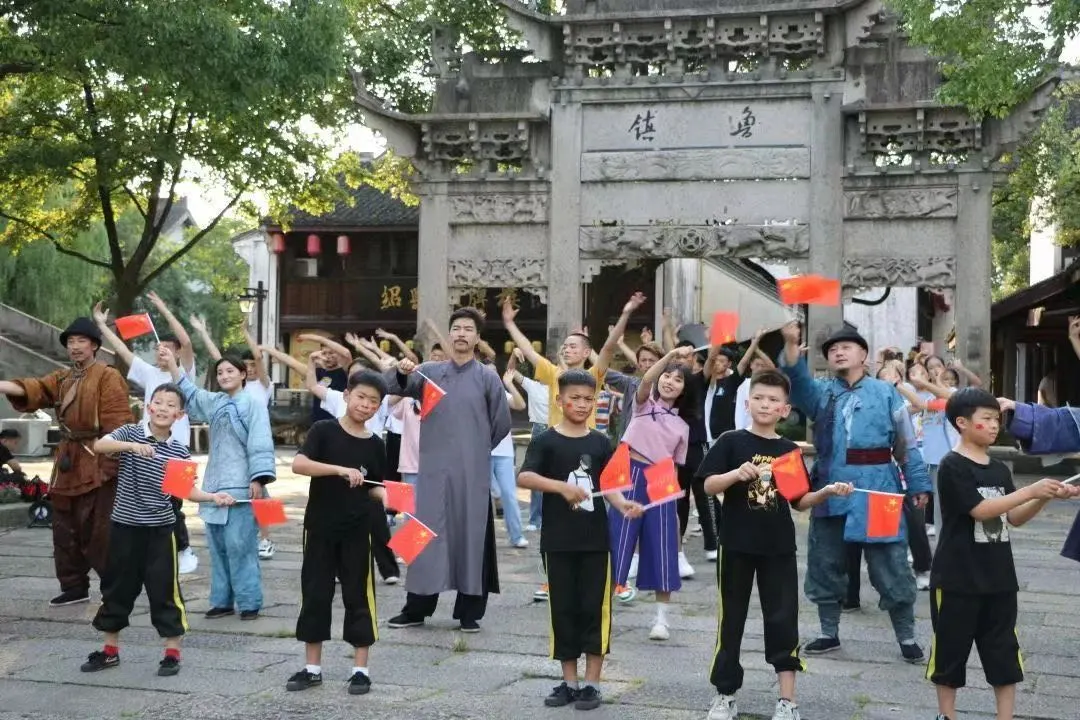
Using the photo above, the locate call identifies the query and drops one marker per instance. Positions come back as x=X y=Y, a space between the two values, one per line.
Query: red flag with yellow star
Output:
x=661 y=481
x=616 y=474
x=431 y=395
x=411 y=539
x=883 y=513
x=179 y=478
x=789 y=475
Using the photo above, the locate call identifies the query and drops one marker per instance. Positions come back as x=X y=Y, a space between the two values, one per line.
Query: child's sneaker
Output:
x=304 y=680
x=169 y=666
x=943 y=717
x=98 y=660
x=786 y=710
x=588 y=698
x=359 y=684
x=659 y=631
x=541 y=595
x=266 y=549
x=625 y=593
x=561 y=696
x=922 y=581
x=723 y=708
x=686 y=570
x=822 y=645
x=912 y=652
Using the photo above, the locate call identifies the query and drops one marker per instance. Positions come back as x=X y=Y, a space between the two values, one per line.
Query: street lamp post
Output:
x=252 y=299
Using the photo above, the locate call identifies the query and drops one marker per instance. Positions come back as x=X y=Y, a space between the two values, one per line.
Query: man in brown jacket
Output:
x=90 y=399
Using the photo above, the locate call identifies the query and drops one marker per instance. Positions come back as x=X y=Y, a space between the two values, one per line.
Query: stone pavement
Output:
x=238 y=670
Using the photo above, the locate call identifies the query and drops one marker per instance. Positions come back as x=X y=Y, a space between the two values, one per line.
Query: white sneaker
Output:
x=786 y=710
x=627 y=595
x=723 y=708
x=266 y=549
x=930 y=531
x=922 y=580
x=633 y=567
x=392 y=580
x=531 y=528
x=659 y=631
x=711 y=555
x=686 y=570
x=187 y=561
x=522 y=543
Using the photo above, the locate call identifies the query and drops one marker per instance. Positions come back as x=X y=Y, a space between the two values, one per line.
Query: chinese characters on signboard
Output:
x=642 y=128
x=743 y=126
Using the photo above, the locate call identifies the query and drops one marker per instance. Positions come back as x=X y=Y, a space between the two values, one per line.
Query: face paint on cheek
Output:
x=980 y=426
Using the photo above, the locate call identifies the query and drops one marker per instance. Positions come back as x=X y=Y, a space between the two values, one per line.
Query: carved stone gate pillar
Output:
x=826 y=214
x=433 y=298
x=972 y=299
x=564 y=276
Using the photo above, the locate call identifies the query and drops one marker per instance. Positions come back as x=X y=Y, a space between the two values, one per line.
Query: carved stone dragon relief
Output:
x=884 y=271
x=501 y=272
x=932 y=202
x=498 y=209
x=674 y=241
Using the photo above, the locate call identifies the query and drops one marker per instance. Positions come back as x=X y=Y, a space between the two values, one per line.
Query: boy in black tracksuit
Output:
x=757 y=537
x=973 y=583
x=573 y=540
x=142 y=547
x=346 y=463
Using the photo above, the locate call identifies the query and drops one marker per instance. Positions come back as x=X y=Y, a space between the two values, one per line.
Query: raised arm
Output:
x=261 y=370
x=101 y=318
x=973 y=380
x=608 y=350
x=523 y=343
x=516 y=401
x=744 y=361
x=200 y=328
x=805 y=390
x=370 y=351
x=397 y=341
x=436 y=334
x=668 y=332
x=938 y=390
x=187 y=352
x=311 y=380
x=1074 y=333
x=200 y=404
x=645 y=387
x=906 y=451
x=342 y=352
x=285 y=359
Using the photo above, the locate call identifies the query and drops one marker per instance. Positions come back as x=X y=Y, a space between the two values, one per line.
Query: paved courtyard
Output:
x=238 y=670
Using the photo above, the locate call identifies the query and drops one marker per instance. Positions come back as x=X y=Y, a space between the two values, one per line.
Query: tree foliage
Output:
x=121 y=103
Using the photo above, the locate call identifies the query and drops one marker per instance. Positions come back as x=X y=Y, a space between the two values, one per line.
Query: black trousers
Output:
x=987 y=621
x=180 y=531
x=330 y=556
x=579 y=601
x=466 y=607
x=918 y=543
x=393 y=456
x=695 y=453
x=142 y=557
x=778 y=588
x=384 y=556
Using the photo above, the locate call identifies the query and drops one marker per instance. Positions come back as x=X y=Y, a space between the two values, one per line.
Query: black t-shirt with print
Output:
x=754 y=517
x=333 y=506
x=973 y=557
x=554 y=456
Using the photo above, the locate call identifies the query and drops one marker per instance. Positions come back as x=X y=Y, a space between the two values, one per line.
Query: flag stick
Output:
x=153 y=328
x=661 y=501
x=1072 y=480
x=879 y=492
x=610 y=491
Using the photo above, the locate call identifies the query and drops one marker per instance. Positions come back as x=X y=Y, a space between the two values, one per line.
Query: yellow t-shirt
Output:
x=548 y=373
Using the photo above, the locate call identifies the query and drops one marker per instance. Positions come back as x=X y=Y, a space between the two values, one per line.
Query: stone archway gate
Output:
x=802 y=131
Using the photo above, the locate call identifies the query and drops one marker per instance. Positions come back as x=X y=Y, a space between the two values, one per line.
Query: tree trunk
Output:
x=125 y=293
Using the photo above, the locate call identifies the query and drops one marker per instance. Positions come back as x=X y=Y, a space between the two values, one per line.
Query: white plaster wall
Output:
x=892 y=323
x=697 y=289
x=1045 y=255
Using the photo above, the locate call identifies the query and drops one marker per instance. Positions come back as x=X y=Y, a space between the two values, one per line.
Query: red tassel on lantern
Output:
x=314 y=246
x=277 y=243
x=343 y=245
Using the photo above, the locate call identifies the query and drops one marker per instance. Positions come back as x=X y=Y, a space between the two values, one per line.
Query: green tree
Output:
x=122 y=103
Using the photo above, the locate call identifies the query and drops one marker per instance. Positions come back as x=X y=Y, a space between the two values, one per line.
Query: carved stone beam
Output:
x=497 y=272
x=890 y=271
x=399 y=129
x=680 y=241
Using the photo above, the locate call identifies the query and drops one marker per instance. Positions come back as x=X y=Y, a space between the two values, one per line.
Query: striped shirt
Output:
x=139 y=500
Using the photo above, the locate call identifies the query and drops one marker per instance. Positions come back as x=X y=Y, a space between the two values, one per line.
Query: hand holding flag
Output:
x=179 y=478
x=883 y=513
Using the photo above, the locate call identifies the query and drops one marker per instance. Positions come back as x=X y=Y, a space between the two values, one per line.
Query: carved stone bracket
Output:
x=502 y=272
x=675 y=241
x=474 y=140
x=949 y=131
x=930 y=202
x=886 y=271
x=498 y=209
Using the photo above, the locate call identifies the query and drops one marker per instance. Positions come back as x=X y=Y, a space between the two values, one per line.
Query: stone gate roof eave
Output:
x=743 y=9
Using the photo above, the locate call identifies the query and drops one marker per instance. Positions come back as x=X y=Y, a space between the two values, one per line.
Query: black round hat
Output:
x=81 y=326
x=846 y=334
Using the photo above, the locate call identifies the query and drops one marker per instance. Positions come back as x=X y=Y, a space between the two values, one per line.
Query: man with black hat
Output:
x=863 y=436
x=90 y=400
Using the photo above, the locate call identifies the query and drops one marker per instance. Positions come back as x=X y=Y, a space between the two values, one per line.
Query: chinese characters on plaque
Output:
x=642 y=128
x=743 y=126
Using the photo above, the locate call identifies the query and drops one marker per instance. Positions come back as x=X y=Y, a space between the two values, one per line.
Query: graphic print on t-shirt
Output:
x=761 y=492
x=994 y=530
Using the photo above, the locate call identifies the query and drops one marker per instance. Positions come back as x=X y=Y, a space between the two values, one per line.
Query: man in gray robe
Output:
x=454 y=484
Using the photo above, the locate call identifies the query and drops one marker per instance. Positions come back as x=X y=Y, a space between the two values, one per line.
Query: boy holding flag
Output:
x=142 y=551
x=565 y=463
x=762 y=477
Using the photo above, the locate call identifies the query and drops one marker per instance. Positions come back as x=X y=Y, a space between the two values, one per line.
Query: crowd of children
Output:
x=924 y=432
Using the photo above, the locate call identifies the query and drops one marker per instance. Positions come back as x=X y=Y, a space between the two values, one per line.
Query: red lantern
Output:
x=314 y=246
x=277 y=243
x=343 y=245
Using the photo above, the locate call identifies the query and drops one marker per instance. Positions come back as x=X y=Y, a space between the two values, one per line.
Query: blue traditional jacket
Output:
x=869 y=415
x=241 y=444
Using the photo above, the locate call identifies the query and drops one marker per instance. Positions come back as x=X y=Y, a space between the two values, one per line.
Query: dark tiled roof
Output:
x=370 y=208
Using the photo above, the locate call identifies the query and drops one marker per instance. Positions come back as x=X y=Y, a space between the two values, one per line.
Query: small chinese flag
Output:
x=723 y=328
x=179 y=478
x=661 y=481
x=269 y=511
x=883 y=513
x=132 y=326
x=616 y=474
x=809 y=290
x=432 y=395
x=789 y=474
x=400 y=496
x=936 y=405
x=411 y=539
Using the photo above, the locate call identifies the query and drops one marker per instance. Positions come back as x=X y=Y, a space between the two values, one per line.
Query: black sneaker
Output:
x=249 y=614
x=470 y=626
x=304 y=680
x=216 y=612
x=70 y=597
x=98 y=660
x=588 y=698
x=821 y=646
x=169 y=666
x=912 y=652
x=404 y=621
x=847 y=606
x=561 y=696
x=359 y=684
